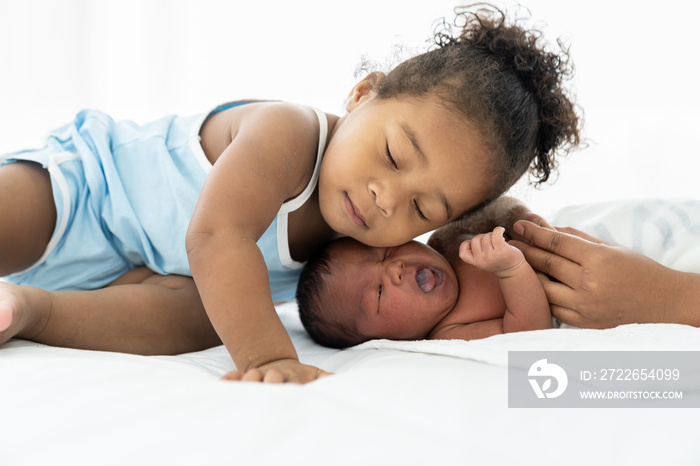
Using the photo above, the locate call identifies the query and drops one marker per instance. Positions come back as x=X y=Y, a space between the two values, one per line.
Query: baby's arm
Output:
x=527 y=307
x=249 y=182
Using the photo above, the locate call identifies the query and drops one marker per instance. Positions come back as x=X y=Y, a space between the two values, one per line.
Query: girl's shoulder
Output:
x=266 y=147
x=292 y=126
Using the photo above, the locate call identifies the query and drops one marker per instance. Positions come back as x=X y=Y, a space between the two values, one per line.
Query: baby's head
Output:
x=447 y=131
x=350 y=293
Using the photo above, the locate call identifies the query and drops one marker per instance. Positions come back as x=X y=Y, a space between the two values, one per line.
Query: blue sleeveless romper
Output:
x=124 y=196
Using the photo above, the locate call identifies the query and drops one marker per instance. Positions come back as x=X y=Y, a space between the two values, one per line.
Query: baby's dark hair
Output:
x=322 y=318
x=503 y=79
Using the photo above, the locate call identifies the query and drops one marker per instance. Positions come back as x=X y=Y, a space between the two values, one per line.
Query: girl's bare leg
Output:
x=27 y=215
x=141 y=313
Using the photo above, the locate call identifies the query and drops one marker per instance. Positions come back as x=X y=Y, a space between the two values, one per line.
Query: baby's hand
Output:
x=282 y=371
x=491 y=252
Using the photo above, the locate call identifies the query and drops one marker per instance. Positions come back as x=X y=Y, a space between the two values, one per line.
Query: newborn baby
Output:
x=351 y=293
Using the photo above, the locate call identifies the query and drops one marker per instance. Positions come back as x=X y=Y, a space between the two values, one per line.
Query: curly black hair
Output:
x=504 y=79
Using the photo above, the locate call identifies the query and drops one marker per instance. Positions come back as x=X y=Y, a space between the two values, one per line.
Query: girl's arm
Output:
x=269 y=160
x=527 y=307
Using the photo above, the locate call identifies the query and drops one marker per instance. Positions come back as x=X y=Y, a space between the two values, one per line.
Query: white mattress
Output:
x=431 y=402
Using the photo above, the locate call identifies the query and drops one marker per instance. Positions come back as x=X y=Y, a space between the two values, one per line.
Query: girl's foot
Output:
x=16 y=318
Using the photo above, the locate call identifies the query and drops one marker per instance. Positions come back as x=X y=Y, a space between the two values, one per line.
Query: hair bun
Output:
x=541 y=71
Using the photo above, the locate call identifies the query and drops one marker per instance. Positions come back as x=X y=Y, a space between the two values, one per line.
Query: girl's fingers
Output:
x=234 y=375
x=273 y=376
x=253 y=375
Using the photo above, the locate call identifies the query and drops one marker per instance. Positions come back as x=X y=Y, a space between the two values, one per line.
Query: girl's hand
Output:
x=282 y=371
x=491 y=252
x=593 y=284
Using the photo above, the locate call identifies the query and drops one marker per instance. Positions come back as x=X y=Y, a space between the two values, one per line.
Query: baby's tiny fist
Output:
x=465 y=249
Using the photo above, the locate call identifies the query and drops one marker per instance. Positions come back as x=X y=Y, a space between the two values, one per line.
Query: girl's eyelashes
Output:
x=418 y=211
x=379 y=293
x=390 y=159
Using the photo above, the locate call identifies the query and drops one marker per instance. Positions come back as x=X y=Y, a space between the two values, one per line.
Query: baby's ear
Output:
x=364 y=91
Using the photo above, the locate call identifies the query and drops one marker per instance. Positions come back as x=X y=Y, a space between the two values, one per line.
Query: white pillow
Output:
x=666 y=230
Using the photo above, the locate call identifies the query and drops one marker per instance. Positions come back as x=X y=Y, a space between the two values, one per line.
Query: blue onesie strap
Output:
x=293 y=204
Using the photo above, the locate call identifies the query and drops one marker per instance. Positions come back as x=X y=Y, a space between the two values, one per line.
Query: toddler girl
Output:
x=105 y=224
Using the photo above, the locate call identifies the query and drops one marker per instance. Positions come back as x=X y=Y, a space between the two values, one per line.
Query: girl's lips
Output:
x=354 y=214
x=429 y=278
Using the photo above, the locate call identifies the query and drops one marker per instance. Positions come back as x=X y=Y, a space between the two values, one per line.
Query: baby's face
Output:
x=395 y=293
x=399 y=167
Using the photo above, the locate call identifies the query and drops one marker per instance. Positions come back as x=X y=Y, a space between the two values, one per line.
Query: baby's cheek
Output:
x=410 y=302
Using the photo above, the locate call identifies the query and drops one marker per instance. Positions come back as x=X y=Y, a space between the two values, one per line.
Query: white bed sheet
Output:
x=431 y=402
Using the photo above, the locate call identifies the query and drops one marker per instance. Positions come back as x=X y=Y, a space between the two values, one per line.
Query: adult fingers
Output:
x=558 y=294
x=577 y=319
x=557 y=242
x=583 y=235
x=530 y=217
x=558 y=267
x=538 y=220
x=566 y=315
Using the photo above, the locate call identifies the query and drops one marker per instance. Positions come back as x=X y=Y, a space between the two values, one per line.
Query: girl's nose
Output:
x=385 y=196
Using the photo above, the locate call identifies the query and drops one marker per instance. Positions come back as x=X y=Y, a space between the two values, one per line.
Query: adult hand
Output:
x=282 y=371
x=590 y=283
x=520 y=211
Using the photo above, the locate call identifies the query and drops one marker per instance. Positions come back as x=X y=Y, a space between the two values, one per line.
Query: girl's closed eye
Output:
x=416 y=207
x=390 y=158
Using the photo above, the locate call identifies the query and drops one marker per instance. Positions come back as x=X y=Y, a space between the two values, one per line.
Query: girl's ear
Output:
x=364 y=90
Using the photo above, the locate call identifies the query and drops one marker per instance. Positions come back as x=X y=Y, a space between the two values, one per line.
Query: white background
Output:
x=636 y=76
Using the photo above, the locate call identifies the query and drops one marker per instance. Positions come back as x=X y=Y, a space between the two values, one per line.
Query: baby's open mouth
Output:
x=429 y=278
